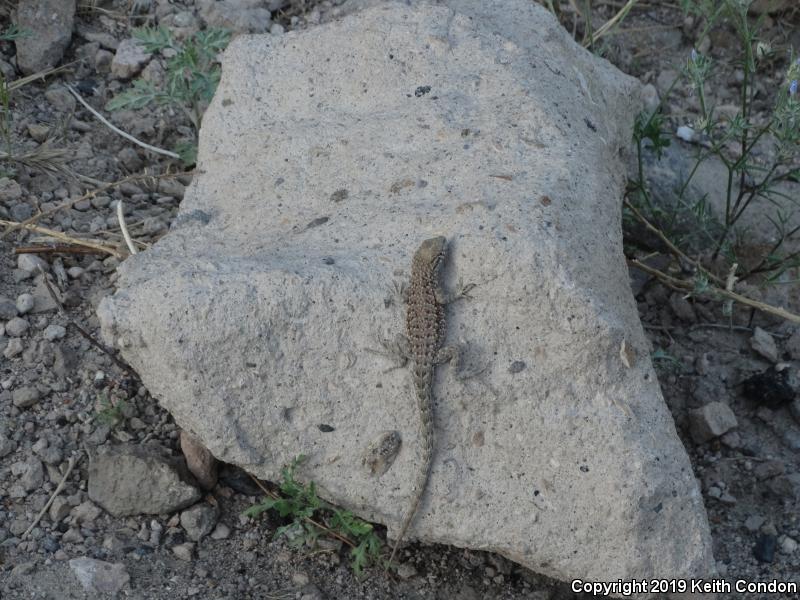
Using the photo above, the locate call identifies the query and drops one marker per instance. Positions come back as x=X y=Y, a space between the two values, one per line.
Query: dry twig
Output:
x=96 y=246
x=61 y=484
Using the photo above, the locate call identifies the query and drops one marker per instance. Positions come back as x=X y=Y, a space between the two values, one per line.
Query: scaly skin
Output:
x=425 y=329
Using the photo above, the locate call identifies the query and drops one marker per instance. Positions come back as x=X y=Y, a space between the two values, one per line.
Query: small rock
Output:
x=54 y=332
x=221 y=532
x=787 y=544
x=86 y=512
x=10 y=191
x=60 y=98
x=686 y=133
x=711 y=421
x=235 y=15
x=130 y=479
x=184 y=551
x=199 y=521
x=50 y=25
x=7 y=446
x=38 y=131
x=13 y=348
x=276 y=29
x=58 y=509
x=17 y=327
x=99 y=577
x=200 y=461
x=30 y=262
x=129 y=59
x=792 y=344
x=764 y=344
x=24 y=304
x=754 y=523
x=25 y=397
x=29 y=472
x=8 y=309
x=764 y=550
x=23 y=569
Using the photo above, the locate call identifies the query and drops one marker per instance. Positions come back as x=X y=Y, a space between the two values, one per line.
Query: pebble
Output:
x=129 y=59
x=86 y=512
x=199 y=521
x=30 y=473
x=17 y=327
x=787 y=544
x=25 y=397
x=754 y=523
x=685 y=133
x=10 y=190
x=54 y=332
x=221 y=532
x=711 y=421
x=14 y=348
x=8 y=308
x=25 y=303
x=30 y=262
x=58 y=509
x=200 y=461
x=183 y=551
x=98 y=576
x=764 y=344
x=75 y=272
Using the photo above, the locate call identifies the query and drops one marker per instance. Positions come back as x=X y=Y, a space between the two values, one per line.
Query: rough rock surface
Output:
x=49 y=23
x=98 y=576
x=494 y=129
x=130 y=480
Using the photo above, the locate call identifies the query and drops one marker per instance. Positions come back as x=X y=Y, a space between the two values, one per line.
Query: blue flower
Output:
x=793 y=87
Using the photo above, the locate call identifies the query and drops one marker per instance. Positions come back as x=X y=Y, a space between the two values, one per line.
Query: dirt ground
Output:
x=750 y=476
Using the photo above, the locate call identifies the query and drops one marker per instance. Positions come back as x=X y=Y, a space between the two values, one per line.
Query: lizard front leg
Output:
x=462 y=292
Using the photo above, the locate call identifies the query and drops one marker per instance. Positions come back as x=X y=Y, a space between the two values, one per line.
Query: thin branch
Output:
x=687 y=286
x=118 y=131
x=56 y=249
x=64 y=238
x=87 y=196
x=61 y=485
x=124 y=228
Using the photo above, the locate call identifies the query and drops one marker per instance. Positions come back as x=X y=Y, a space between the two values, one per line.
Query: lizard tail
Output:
x=426 y=439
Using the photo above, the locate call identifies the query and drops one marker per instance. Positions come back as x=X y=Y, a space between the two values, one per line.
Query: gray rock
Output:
x=754 y=523
x=711 y=421
x=31 y=262
x=764 y=344
x=25 y=397
x=7 y=446
x=8 y=308
x=199 y=521
x=13 y=348
x=98 y=576
x=129 y=59
x=20 y=212
x=129 y=480
x=10 y=191
x=468 y=143
x=23 y=569
x=50 y=25
x=86 y=512
x=59 y=509
x=17 y=327
x=60 y=98
x=184 y=551
x=24 y=303
x=221 y=532
x=793 y=344
x=30 y=473
x=54 y=332
x=239 y=16
x=200 y=461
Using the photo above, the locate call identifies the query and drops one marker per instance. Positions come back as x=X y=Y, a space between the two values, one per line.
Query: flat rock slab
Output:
x=326 y=157
x=129 y=479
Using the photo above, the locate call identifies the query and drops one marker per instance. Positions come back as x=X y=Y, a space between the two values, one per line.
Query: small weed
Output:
x=671 y=364
x=312 y=517
x=13 y=32
x=191 y=78
x=110 y=411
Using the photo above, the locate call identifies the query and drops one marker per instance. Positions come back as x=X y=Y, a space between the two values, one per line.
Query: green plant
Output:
x=13 y=32
x=739 y=142
x=311 y=517
x=191 y=78
x=110 y=411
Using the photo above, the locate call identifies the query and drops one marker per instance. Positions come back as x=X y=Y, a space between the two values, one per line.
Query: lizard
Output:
x=423 y=345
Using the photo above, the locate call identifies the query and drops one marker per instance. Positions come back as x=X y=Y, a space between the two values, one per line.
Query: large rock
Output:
x=250 y=320
x=129 y=480
x=49 y=26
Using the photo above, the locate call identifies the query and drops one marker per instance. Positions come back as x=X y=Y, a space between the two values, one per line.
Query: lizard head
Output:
x=432 y=251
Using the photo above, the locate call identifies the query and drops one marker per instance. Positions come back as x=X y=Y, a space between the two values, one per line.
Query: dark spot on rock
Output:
x=535 y=493
x=465 y=132
x=422 y=90
x=584 y=469
x=545 y=200
x=516 y=366
x=317 y=222
x=328 y=261
x=658 y=507
x=227 y=102
x=340 y=195
x=422 y=183
x=279 y=181
x=590 y=125
x=325 y=428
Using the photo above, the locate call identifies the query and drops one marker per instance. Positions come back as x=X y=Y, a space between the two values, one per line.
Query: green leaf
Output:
x=154 y=39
